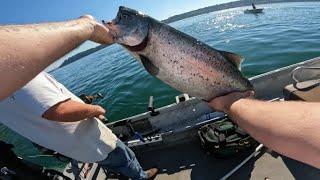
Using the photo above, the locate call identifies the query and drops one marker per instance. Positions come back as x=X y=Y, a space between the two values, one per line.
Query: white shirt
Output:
x=87 y=140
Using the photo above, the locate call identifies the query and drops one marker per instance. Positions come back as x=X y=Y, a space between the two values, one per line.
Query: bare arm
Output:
x=71 y=111
x=290 y=128
x=25 y=50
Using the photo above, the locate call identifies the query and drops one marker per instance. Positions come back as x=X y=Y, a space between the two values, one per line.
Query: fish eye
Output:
x=125 y=16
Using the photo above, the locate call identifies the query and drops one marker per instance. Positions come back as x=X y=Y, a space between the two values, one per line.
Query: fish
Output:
x=179 y=60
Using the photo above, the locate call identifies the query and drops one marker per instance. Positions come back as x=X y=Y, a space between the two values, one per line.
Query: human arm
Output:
x=290 y=128
x=71 y=111
x=45 y=97
x=28 y=49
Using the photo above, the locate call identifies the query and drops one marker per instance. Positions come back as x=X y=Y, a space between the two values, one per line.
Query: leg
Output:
x=123 y=160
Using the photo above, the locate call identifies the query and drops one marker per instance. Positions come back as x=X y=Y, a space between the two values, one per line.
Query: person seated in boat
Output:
x=253 y=6
x=48 y=114
x=289 y=128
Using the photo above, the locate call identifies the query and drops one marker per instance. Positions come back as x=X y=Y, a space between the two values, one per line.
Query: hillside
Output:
x=81 y=55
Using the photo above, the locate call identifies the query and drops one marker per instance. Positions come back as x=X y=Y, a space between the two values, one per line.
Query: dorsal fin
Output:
x=232 y=57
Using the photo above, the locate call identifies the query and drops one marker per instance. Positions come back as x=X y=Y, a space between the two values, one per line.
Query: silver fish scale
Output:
x=190 y=66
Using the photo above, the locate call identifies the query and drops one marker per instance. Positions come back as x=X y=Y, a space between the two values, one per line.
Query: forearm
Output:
x=28 y=49
x=289 y=128
x=71 y=111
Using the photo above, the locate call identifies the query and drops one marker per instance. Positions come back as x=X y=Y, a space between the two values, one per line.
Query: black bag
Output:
x=224 y=138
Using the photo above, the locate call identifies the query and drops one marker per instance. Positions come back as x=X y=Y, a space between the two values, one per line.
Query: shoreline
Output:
x=224 y=6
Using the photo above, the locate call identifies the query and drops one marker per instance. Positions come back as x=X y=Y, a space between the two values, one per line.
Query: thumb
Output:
x=99 y=110
x=101 y=117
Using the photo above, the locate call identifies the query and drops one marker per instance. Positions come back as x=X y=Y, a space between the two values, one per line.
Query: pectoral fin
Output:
x=149 y=66
x=233 y=58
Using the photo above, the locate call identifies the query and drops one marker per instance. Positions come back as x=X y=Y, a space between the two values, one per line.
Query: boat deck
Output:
x=189 y=161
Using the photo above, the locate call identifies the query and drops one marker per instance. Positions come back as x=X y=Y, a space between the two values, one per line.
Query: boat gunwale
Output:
x=252 y=80
x=284 y=68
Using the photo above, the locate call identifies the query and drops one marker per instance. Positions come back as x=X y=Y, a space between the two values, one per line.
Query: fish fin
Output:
x=148 y=65
x=235 y=59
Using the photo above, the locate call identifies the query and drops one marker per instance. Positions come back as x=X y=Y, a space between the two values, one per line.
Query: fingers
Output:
x=101 y=33
x=100 y=113
x=99 y=110
x=223 y=103
x=102 y=117
x=239 y=95
x=88 y=16
x=250 y=94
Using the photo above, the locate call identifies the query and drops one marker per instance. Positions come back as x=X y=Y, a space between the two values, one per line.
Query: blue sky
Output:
x=23 y=11
x=35 y=11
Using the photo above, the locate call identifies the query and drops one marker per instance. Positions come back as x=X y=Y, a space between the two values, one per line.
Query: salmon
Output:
x=176 y=58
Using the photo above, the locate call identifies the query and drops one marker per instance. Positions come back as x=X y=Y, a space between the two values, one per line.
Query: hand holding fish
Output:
x=224 y=103
x=100 y=32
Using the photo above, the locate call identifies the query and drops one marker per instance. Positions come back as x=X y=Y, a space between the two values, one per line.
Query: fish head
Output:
x=129 y=28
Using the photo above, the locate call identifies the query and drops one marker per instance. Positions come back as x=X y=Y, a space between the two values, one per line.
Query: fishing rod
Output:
x=254 y=154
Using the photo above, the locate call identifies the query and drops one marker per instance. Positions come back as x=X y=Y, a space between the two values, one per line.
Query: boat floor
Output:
x=189 y=161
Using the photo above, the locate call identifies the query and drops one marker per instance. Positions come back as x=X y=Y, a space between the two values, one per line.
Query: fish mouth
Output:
x=118 y=34
x=112 y=28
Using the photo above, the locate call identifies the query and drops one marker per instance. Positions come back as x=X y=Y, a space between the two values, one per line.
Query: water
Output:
x=284 y=34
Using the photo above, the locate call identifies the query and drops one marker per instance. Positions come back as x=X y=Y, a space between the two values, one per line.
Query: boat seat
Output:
x=303 y=91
